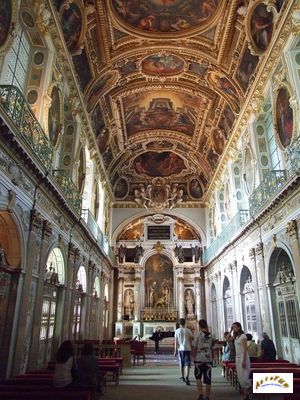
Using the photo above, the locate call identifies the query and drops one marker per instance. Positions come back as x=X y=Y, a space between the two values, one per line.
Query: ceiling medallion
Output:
x=158 y=195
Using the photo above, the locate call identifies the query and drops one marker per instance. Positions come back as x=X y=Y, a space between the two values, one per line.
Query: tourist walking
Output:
x=183 y=343
x=202 y=355
x=242 y=360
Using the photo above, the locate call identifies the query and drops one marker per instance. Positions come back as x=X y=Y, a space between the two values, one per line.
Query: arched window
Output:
x=285 y=305
x=214 y=311
x=228 y=304
x=56 y=262
x=54 y=279
x=94 y=313
x=80 y=289
x=248 y=302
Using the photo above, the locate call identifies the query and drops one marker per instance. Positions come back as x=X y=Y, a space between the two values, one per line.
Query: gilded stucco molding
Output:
x=64 y=59
x=266 y=67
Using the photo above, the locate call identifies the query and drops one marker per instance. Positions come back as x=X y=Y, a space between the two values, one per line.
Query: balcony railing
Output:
x=68 y=188
x=13 y=103
x=230 y=230
x=95 y=230
x=271 y=184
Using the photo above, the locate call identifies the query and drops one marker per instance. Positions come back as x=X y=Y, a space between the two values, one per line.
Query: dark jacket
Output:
x=87 y=370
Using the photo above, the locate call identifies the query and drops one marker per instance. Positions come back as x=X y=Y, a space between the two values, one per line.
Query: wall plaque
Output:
x=162 y=232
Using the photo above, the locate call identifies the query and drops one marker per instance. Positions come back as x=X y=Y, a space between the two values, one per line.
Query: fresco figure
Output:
x=72 y=26
x=162 y=65
x=261 y=25
x=5 y=20
x=284 y=117
x=164 y=15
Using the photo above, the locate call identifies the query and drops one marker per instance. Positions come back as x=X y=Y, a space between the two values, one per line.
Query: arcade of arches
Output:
x=149 y=170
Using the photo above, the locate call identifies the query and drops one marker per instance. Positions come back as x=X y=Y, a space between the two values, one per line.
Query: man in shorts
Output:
x=183 y=342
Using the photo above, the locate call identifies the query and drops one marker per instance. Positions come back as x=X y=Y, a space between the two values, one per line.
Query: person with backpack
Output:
x=203 y=357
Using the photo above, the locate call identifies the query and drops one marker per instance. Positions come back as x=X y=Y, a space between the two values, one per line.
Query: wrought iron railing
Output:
x=14 y=105
x=95 y=230
x=294 y=155
x=271 y=184
x=228 y=233
x=68 y=188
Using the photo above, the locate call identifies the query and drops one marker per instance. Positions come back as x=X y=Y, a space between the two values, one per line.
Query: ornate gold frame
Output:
x=12 y=28
x=80 y=43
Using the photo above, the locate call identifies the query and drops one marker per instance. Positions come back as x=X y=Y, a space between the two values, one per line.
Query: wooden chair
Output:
x=138 y=351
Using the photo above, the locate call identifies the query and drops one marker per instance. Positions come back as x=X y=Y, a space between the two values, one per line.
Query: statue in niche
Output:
x=129 y=303
x=122 y=253
x=3 y=260
x=139 y=251
x=189 y=303
x=197 y=253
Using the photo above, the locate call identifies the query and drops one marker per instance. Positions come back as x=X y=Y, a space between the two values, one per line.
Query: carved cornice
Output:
x=292 y=229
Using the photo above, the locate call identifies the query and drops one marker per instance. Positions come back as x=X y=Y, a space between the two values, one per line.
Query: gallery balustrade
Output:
x=24 y=124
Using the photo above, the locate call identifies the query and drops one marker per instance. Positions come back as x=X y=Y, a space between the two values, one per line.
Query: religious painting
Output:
x=246 y=69
x=248 y=170
x=97 y=121
x=165 y=16
x=219 y=140
x=82 y=68
x=162 y=109
x=197 y=69
x=161 y=164
x=227 y=120
x=222 y=84
x=121 y=189
x=73 y=25
x=195 y=189
x=107 y=157
x=212 y=159
x=260 y=24
x=100 y=87
x=284 y=118
x=127 y=68
x=103 y=140
x=159 y=282
x=162 y=65
x=7 y=11
x=55 y=117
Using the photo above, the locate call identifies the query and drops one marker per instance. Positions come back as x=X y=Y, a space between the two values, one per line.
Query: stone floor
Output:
x=158 y=379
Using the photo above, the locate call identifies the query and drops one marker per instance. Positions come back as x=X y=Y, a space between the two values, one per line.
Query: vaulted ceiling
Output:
x=164 y=81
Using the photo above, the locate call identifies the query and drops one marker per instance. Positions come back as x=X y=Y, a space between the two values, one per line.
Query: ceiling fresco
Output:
x=164 y=83
x=165 y=16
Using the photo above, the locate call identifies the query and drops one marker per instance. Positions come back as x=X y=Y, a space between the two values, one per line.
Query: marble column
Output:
x=137 y=295
x=262 y=288
x=198 y=297
x=120 y=298
x=256 y=291
x=180 y=297
x=202 y=296
x=292 y=232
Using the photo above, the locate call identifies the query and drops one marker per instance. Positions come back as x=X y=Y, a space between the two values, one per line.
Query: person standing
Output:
x=183 y=342
x=242 y=360
x=268 y=351
x=202 y=348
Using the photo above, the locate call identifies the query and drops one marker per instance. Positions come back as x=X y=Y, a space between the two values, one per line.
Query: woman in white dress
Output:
x=242 y=360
